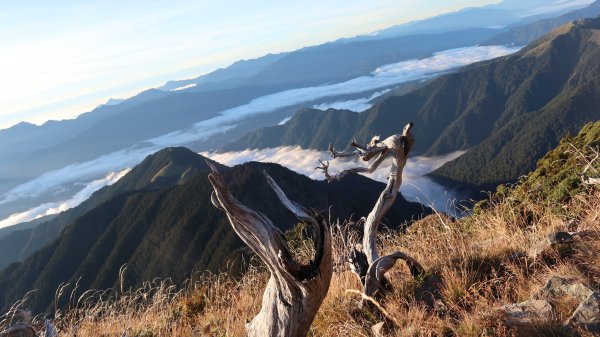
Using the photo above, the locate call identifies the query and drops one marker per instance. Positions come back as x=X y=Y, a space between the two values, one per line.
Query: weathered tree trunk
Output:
x=398 y=147
x=294 y=291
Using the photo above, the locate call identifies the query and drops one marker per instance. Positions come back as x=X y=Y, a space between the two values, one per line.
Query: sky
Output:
x=62 y=58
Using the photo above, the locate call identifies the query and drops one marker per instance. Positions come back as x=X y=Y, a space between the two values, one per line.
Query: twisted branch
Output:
x=295 y=291
x=364 y=259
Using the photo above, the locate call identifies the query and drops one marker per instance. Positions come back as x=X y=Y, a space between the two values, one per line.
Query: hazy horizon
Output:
x=63 y=60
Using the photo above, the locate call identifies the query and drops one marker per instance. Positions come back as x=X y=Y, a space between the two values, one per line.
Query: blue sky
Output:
x=61 y=58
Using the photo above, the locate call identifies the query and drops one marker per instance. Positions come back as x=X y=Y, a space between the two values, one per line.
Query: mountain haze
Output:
x=522 y=34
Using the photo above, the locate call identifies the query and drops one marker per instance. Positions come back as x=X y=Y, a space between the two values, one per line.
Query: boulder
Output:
x=587 y=313
x=526 y=312
x=558 y=286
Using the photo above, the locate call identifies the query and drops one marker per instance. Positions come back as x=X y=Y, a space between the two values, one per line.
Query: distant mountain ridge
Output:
x=504 y=14
x=165 y=168
x=523 y=34
x=171 y=231
x=524 y=102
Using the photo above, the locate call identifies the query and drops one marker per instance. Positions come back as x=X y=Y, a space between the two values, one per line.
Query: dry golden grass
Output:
x=477 y=257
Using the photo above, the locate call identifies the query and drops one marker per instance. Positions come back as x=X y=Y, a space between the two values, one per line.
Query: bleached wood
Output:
x=294 y=291
x=371 y=272
x=377 y=270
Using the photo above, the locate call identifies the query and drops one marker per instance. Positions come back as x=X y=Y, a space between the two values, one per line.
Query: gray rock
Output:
x=556 y=238
x=526 y=312
x=587 y=313
x=558 y=286
x=377 y=329
x=572 y=226
x=560 y=238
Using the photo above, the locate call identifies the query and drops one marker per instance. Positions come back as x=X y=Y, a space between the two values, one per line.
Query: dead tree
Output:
x=364 y=259
x=294 y=291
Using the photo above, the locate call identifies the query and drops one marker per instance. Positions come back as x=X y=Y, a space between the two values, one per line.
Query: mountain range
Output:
x=498 y=16
x=522 y=34
x=158 y=219
x=29 y=151
x=506 y=112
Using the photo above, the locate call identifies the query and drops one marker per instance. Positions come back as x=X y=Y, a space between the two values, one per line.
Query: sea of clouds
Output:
x=87 y=173
x=416 y=186
x=56 y=207
x=382 y=77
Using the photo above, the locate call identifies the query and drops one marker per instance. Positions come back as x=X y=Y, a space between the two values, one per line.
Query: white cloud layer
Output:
x=415 y=186
x=191 y=85
x=285 y=120
x=61 y=206
x=356 y=105
x=385 y=76
x=56 y=180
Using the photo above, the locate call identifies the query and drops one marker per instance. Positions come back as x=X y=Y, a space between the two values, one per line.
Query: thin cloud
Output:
x=356 y=105
x=382 y=77
x=187 y=86
x=556 y=6
x=285 y=120
x=56 y=180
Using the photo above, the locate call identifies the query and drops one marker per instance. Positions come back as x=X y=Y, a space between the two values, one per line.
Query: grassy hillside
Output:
x=486 y=260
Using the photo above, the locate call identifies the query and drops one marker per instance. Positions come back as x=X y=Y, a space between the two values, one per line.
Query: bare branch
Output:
x=365 y=261
x=364 y=152
x=367 y=170
x=325 y=168
x=336 y=154
x=319 y=227
x=399 y=146
x=375 y=274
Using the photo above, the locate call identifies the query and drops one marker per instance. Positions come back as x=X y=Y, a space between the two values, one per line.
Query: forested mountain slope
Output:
x=173 y=231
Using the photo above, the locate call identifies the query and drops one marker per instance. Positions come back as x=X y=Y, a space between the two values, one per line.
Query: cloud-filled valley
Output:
x=382 y=77
x=415 y=186
x=45 y=187
x=60 y=206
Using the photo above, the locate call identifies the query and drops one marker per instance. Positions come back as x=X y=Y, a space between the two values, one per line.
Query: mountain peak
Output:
x=167 y=167
x=178 y=154
x=573 y=31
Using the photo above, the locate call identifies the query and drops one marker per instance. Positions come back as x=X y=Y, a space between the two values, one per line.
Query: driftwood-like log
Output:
x=294 y=291
x=365 y=260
